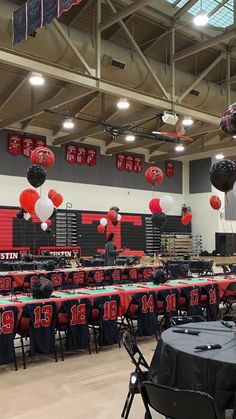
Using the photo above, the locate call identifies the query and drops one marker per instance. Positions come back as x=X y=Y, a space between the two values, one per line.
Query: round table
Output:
x=177 y=364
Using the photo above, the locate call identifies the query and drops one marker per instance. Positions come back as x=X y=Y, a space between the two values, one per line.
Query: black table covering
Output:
x=177 y=364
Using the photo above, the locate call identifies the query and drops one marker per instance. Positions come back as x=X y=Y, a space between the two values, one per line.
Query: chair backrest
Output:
x=134 y=352
x=231 y=287
x=178 y=320
x=179 y=404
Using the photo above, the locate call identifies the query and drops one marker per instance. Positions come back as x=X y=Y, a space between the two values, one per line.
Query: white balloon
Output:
x=103 y=222
x=44 y=226
x=44 y=208
x=119 y=217
x=27 y=216
x=166 y=203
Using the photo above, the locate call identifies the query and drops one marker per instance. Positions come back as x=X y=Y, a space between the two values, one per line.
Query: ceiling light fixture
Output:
x=234 y=137
x=123 y=104
x=68 y=123
x=36 y=79
x=219 y=156
x=179 y=147
x=187 y=121
x=130 y=138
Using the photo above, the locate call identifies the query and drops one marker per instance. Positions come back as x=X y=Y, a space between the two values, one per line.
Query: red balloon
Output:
x=51 y=192
x=43 y=156
x=28 y=199
x=100 y=229
x=215 y=202
x=48 y=222
x=185 y=220
x=112 y=215
x=57 y=199
x=154 y=175
x=154 y=205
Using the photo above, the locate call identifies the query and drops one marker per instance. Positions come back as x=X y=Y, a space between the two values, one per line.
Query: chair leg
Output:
x=15 y=361
x=61 y=346
x=125 y=405
x=23 y=352
x=130 y=402
x=95 y=338
x=55 y=352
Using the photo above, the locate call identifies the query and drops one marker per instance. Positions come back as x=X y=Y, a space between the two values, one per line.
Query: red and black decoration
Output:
x=169 y=169
x=81 y=155
x=20 y=144
x=129 y=163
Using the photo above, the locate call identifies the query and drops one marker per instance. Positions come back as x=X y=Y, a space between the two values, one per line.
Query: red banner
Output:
x=71 y=153
x=14 y=144
x=169 y=169
x=120 y=161
x=81 y=155
x=129 y=165
x=27 y=146
x=138 y=164
x=39 y=142
x=91 y=157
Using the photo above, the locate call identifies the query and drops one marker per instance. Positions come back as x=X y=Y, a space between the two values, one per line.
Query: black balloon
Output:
x=115 y=209
x=53 y=214
x=20 y=215
x=36 y=175
x=223 y=175
x=159 y=219
x=228 y=120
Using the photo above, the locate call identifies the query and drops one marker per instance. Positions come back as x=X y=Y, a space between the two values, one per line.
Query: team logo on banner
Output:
x=71 y=154
x=14 y=144
x=27 y=146
x=137 y=164
x=169 y=169
x=91 y=157
x=81 y=157
x=120 y=161
x=129 y=165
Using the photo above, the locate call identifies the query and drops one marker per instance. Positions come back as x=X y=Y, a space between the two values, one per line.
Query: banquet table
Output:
x=176 y=362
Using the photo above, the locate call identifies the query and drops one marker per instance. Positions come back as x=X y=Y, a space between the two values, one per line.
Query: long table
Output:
x=125 y=291
x=78 y=276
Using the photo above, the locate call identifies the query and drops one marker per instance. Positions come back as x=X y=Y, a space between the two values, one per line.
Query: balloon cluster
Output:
x=30 y=200
x=159 y=208
x=113 y=216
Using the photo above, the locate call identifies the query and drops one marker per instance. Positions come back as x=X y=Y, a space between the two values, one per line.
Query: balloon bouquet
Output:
x=113 y=216
x=158 y=207
x=30 y=200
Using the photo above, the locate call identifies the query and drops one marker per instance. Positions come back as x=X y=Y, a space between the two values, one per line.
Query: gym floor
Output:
x=83 y=386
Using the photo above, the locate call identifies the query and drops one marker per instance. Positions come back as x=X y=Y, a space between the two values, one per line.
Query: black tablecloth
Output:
x=177 y=364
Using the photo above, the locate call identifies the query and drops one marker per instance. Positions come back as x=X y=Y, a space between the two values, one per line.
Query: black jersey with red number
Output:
x=77 y=333
x=8 y=322
x=114 y=275
x=42 y=326
x=57 y=278
x=212 y=293
x=29 y=280
x=6 y=283
x=170 y=299
x=193 y=300
x=108 y=313
x=76 y=279
x=147 y=313
x=96 y=277
x=145 y=273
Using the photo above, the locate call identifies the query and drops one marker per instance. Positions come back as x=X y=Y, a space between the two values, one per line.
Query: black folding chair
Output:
x=178 y=320
x=229 y=297
x=139 y=375
x=178 y=404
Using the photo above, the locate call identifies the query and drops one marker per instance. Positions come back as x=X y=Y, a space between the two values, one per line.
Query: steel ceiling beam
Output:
x=88 y=82
x=201 y=76
x=141 y=55
x=205 y=44
x=153 y=41
x=213 y=147
x=129 y=10
x=127 y=146
x=79 y=107
x=59 y=100
x=67 y=39
x=11 y=91
x=187 y=6
x=112 y=31
x=217 y=8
